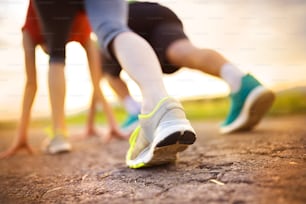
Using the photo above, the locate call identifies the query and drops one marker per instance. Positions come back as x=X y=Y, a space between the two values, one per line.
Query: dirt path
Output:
x=267 y=165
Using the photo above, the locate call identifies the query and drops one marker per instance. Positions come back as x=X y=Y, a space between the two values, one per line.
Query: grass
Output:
x=207 y=109
x=289 y=103
x=286 y=103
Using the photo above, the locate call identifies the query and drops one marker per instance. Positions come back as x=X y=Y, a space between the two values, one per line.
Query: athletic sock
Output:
x=131 y=106
x=232 y=75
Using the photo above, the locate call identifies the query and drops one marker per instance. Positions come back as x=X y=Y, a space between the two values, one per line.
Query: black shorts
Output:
x=56 y=18
x=159 y=26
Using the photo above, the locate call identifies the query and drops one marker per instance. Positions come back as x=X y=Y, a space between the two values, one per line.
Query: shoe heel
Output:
x=258 y=109
x=187 y=137
x=170 y=140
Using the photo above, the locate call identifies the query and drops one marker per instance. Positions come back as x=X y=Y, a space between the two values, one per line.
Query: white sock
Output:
x=138 y=59
x=232 y=75
x=131 y=106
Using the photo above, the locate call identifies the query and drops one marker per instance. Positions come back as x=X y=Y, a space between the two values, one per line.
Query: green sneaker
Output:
x=130 y=124
x=58 y=144
x=248 y=106
x=160 y=135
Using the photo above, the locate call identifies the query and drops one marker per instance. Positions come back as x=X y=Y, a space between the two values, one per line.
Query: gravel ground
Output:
x=266 y=165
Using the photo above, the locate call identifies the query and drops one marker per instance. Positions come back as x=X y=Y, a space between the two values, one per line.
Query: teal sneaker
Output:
x=129 y=124
x=160 y=135
x=248 y=106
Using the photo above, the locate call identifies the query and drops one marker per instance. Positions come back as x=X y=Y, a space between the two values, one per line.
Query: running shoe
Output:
x=160 y=135
x=248 y=106
x=56 y=145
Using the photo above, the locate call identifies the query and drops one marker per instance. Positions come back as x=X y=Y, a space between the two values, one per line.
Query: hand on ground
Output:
x=115 y=133
x=16 y=147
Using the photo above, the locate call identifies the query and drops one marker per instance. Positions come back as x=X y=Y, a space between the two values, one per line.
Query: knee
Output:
x=107 y=33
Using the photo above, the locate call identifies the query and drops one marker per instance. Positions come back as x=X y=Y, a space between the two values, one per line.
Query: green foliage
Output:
x=206 y=109
x=293 y=102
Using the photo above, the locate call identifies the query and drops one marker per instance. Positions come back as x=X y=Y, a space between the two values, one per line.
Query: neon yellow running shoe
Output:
x=160 y=135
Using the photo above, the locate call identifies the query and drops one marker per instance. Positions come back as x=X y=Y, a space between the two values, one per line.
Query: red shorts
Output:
x=80 y=31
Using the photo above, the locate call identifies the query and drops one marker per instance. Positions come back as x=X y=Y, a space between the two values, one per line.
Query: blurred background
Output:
x=266 y=38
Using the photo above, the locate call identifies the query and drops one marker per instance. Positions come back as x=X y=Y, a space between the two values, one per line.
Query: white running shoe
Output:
x=160 y=135
x=58 y=144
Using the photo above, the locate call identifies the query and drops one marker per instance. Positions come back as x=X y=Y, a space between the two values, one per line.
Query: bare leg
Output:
x=184 y=54
x=28 y=98
x=96 y=75
x=57 y=91
x=243 y=87
x=131 y=106
x=119 y=87
x=90 y=129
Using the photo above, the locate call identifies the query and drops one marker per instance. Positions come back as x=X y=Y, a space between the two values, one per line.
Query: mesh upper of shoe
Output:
x=167 y=111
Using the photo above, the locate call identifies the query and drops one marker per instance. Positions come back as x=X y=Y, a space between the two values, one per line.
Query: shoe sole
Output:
x=164 y=151
x=256 y=106
x=165 y=148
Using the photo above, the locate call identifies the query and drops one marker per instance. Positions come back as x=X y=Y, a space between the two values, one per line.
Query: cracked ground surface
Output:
x=266 y=165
